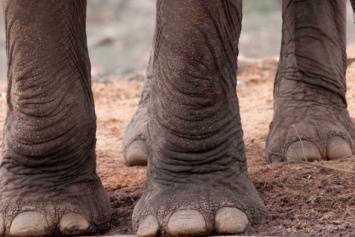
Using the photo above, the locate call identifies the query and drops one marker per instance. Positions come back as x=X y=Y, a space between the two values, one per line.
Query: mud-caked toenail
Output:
x=29 y=224
x=338 y=148
x=186 y=223
x=137 y=153
x=303 y=150
x=230 y=220
x=73 y=224
x=148 y=227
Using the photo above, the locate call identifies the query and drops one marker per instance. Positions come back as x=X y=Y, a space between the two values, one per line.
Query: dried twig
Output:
x=311 y=164
x=299 y=137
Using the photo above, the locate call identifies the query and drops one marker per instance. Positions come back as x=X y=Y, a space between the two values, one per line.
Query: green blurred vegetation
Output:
x=256 y=6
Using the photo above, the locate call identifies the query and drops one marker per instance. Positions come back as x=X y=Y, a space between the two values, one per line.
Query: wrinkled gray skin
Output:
x=48 y=180
x=187 y=125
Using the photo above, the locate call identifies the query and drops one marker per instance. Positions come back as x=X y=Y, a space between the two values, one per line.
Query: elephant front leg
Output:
x=48 y=180
x=197 y=174
x=310 y=120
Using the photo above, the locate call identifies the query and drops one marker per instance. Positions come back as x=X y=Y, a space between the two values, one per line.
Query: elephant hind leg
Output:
x=134 y=144
x=310 y=120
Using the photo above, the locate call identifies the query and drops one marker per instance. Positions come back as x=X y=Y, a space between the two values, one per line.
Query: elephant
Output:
x=187 y=127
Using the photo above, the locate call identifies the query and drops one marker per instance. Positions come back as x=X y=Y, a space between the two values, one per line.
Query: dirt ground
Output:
x=303 y=199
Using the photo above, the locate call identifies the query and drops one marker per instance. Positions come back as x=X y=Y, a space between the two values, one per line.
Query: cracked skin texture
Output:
x=187 y=127
x=192 y=73
x=48 y=180
x=310 y=119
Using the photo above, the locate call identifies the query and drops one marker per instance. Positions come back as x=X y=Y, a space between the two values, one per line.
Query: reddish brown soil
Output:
x=302 y=199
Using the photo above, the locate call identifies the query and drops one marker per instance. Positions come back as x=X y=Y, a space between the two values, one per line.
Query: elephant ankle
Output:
x=300 y=99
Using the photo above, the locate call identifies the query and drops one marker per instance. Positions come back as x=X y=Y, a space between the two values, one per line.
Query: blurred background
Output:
x=120 y=34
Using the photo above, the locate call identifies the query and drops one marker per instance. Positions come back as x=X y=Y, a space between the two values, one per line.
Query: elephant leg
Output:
x=310 y=119
x=48 y=180
x=134 y=143
x=197 y=180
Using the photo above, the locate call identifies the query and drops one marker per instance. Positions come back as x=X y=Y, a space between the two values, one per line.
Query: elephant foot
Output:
x=199 y=205
x=136 y=153
x=63 y=210
x=31 y=223
x=134 y=145
x=197 y=178
x=228 y=220
x=314 y=126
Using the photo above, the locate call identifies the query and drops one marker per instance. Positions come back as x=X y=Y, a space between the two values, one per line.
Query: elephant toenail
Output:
x=2 y=225
x=338 y=148
x=137 y=153
x=29 y=224
x=73 y=224
x=230 y=220
x=303 y=150
x=148 y=227
x=187 y=223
